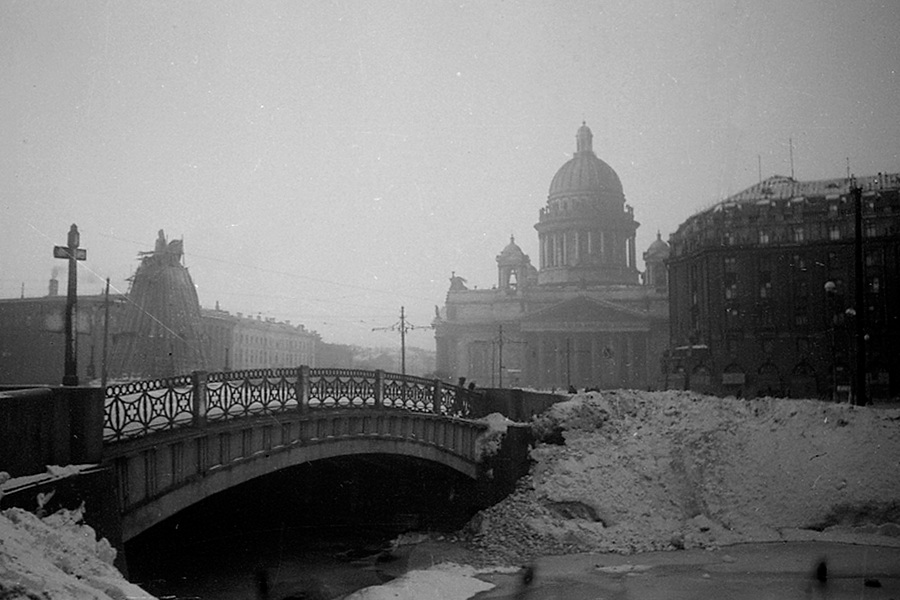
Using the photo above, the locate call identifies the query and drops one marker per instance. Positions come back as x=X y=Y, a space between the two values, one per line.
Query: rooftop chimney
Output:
x=53 y=290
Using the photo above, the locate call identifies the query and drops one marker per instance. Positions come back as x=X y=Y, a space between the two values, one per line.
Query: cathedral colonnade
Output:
x=586 y=359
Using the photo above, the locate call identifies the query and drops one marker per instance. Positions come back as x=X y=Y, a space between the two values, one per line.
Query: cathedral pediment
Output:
x=586 y=314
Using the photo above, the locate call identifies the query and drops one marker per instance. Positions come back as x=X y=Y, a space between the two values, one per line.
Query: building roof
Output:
x=780 y=187
x=584 y=173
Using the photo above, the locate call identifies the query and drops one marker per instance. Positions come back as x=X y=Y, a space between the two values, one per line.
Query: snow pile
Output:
x=57 y=557
x=628 y=471
x=489 y=442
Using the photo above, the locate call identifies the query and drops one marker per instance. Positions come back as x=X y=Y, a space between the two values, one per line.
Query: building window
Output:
x=765 y=284
x=728 y=238
x=763 y=237
x=730 y=264
x=731 y=346
x=874 y=284
x=834 y=233
x=731 y=290
x=833 y=209
x=765 y=316
x=799 y=235
x=875 y=258
x=799 y=262
x=871 y=230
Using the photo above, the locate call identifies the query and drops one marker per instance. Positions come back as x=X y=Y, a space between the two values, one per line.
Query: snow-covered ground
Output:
x=635 y=471
x=57 y=557
x=622 y=471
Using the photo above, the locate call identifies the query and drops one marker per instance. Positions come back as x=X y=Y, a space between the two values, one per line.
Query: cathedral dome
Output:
x=585 y=173
x=512 y=254
x=658 y=250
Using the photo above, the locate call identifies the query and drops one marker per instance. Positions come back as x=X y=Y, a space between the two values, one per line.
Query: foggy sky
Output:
x=328 y=162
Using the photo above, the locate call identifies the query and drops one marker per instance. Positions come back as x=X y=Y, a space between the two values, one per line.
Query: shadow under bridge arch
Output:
x=161 y=474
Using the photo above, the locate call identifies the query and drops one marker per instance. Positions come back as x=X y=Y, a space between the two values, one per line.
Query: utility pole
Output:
x=500 y=342
x=500 y=361
x=860 y=397
x=402 y=326
x=73 y=254
x=104 y=371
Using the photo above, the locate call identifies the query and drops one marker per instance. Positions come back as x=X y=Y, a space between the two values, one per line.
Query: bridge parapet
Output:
x=135 y=409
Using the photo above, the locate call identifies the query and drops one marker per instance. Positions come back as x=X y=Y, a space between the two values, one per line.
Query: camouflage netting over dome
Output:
x=160 y=334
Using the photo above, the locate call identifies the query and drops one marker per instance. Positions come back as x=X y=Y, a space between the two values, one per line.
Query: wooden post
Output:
x=198 y=396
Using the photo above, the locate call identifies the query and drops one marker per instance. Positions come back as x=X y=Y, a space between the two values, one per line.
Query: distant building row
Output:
x=32 y=342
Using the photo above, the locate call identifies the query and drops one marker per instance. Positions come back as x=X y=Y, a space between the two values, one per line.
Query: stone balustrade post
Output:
x=302 y=388
x=198 y=397
x=436 y=396
x=379 y=388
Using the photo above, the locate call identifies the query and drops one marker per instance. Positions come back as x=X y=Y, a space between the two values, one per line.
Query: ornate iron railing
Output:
x=138 y=408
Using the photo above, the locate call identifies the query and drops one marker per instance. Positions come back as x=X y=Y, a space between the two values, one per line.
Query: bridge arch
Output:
x=161 y=476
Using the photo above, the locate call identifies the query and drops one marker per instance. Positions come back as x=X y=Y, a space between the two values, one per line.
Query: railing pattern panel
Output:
x=455 y=402
x=134 y=409
x=140 y=407
x=410 y=393
x=245 y=393
x=341 y=388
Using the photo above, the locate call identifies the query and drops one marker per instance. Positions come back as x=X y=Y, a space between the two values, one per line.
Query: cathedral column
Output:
x=632 y=256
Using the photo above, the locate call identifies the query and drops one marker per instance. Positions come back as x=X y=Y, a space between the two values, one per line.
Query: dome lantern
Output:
x=584 y=139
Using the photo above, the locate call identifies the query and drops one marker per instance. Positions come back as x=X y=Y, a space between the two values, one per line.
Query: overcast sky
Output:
x=330 y=162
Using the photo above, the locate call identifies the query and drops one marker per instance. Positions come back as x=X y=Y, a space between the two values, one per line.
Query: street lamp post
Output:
x=830 y=290
x=72 y=253
x=860 y=396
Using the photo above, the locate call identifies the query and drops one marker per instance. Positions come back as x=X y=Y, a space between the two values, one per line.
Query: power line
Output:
x=402 y=326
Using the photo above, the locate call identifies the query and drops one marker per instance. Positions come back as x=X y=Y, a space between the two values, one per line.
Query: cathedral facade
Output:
x=584 y=316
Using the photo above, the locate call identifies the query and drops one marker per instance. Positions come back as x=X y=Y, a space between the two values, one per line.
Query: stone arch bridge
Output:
x=155 y=447
x=176 y=441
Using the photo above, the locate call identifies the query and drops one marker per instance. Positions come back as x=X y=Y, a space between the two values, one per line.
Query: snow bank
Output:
x=58 y=557
x=628 y=471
